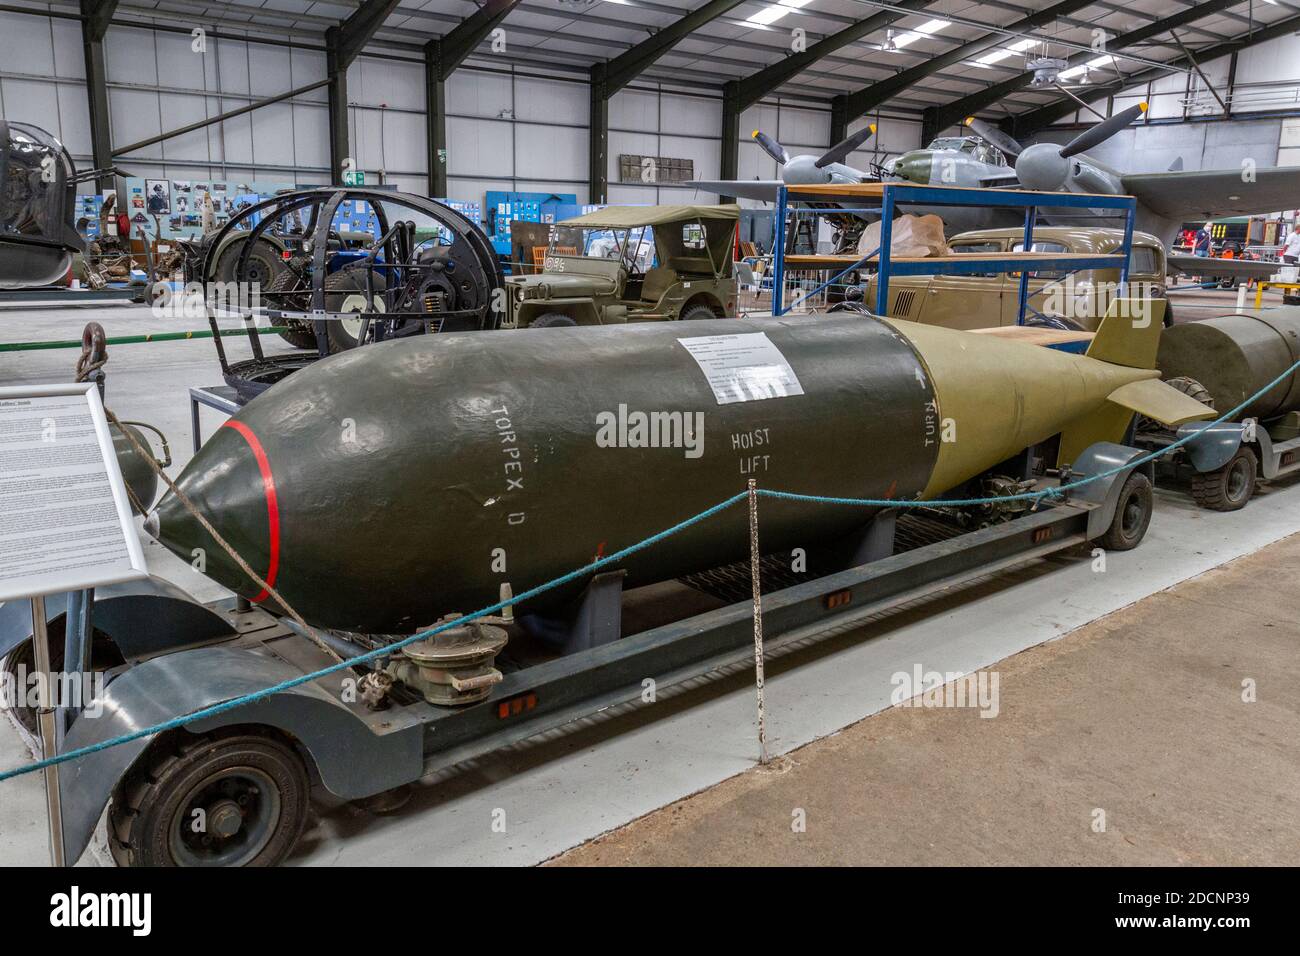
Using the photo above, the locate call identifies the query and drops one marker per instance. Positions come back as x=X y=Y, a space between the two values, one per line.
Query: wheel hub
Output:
x=224 y=818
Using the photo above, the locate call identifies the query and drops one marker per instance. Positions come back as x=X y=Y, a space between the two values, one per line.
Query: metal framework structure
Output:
x=608 y=78
x=1047 y=115
x=940 y=118
x=922 y=82
x=95 y=18
x=441 y=58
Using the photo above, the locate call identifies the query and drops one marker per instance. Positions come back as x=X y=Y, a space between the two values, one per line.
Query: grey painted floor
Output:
x=534 y=801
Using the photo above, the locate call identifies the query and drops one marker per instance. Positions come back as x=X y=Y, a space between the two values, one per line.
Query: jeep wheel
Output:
x=1132 y=515
x=229 y=798
x=551 y=320
x=697 y=313
x=1230 y=487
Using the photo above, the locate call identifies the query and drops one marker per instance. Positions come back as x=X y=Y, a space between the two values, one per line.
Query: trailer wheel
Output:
x=230 y=798
x=1230 y=487
x=1132 y=515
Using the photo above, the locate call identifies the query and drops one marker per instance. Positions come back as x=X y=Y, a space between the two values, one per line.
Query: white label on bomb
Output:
x=743 y=368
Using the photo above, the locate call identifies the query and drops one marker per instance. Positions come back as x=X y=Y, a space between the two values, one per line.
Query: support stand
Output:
x=599 y=617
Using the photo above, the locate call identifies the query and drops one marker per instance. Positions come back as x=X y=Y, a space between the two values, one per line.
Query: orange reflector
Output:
x=839 y=599
x=1042 y=534
x=516 y=705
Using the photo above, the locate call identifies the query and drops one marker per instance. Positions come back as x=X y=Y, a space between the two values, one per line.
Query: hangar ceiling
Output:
x=892 y=55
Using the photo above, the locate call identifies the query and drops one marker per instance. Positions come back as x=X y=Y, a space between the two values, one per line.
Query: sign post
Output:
x=65 y=525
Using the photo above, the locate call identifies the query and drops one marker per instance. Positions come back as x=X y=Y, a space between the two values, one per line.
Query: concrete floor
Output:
x=564 y=789
x=1140 y=715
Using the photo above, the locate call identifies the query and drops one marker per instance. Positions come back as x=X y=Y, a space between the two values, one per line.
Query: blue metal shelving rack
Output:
x=891 y=195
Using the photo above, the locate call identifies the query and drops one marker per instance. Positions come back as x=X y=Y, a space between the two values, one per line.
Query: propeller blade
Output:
x=840 y=151
x=1102 y=131
x=772 y=147
x=991 y=134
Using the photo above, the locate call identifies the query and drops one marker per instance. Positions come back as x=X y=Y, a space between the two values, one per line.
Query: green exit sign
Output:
x=355 y=177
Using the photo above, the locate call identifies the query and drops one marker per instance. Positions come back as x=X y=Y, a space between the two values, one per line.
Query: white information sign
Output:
x=743 y=368
x=65 y=522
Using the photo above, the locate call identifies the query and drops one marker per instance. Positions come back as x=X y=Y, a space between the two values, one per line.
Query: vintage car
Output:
x=1076 y=299
x=632 y=264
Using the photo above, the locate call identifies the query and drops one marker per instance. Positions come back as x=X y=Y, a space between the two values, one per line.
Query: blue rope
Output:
x=226 y=706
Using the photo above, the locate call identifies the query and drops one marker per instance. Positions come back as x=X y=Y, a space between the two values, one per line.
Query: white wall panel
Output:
x=179 y=65
x=549 y=152
x=134 y=115
x=1274 y=60
x=392 y=82
x=129 y=56
x=74 y=119
x=634 y=110
x=180 y=110
x=69 y=59
x=26 y=46
x=551 y=101
x=311 y=131
x=268 y=70
x=478 y=148
x=231 y=62
x=475 y=93
x=691 y=115
x=272 y=146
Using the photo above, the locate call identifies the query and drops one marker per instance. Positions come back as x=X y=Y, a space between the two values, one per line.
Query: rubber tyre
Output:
x=697 y=313
x=1230 y=487
x=151 y=801
x=1132 y=515
x=104 y=655
x=300 y=334
x=338 y=286
x=552 y=320
x=263 y=266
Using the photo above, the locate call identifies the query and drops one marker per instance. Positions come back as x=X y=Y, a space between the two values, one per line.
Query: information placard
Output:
x=65 y=523
x=746 y=367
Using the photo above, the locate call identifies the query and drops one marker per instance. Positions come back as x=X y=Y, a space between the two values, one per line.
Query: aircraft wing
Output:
x=1207 y=266
x=1184 y=196
x=764 y=190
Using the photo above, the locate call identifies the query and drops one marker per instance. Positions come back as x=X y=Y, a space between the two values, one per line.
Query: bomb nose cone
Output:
x=230 y=483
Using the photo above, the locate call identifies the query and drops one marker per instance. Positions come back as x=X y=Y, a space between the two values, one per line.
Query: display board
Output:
x=65 y=522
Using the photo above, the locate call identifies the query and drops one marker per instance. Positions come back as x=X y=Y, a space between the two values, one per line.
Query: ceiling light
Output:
x=770 y=14
x=921 y=32
x=1091 y=64
x=1000 y=54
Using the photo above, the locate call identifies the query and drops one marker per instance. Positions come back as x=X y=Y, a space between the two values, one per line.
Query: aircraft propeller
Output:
x=772 y=147
x=991 y=134
x=1045 y=165
x=836 y=154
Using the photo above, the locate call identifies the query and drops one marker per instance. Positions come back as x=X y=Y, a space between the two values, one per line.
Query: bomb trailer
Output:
x=250 y=770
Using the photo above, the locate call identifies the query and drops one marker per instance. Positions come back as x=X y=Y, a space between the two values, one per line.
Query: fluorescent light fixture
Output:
x=1090 y=65
x=770 y=14
x=1000 y=54
x=920 y=33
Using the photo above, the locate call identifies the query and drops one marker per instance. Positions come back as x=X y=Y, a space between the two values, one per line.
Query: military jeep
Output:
x=631 y=264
